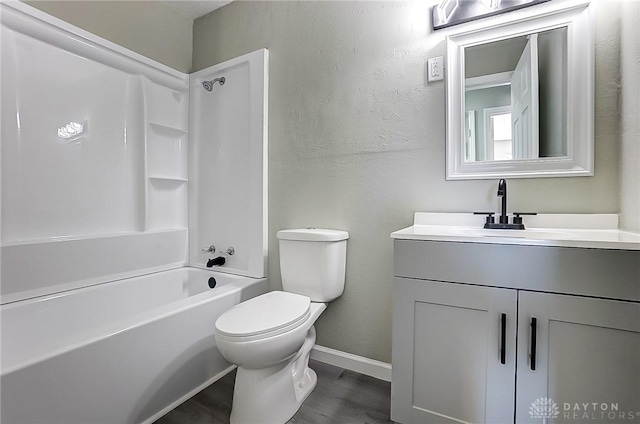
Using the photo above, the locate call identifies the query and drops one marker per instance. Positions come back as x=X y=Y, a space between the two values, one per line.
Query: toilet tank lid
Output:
x=313 y=234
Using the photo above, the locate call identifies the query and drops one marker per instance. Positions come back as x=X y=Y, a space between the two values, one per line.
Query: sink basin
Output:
x=523 y=234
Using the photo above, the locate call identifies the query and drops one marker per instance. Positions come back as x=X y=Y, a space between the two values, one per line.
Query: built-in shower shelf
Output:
x=168 y=130
x=167 y=199
x=166 y=152
x=167 y=157
x=168 y=178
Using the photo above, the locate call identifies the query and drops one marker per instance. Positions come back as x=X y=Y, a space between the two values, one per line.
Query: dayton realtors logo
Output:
x=597 y=412
x=546 y=408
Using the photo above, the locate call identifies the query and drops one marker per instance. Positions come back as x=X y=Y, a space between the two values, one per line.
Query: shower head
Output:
x=208 y=85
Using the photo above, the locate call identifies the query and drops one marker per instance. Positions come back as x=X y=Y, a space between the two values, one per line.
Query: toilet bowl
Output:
x=270 y=337
x=273 y=377
x=267 y=329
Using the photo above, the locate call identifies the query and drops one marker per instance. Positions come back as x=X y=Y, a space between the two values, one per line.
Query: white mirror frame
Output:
x=576 y=16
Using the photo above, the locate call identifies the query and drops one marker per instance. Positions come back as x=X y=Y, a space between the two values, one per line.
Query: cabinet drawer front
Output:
x=448 y=352
x=593 y=272
x=587 y=352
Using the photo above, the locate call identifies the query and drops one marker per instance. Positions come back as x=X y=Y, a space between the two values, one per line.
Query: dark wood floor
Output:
x=341 y=397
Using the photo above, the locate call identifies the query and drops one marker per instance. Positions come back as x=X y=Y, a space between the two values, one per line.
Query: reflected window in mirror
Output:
x=499 y=134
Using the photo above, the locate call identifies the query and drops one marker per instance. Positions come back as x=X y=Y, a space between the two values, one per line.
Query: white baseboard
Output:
x=349 y=361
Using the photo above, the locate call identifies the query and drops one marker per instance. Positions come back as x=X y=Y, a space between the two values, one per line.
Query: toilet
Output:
x=270 y=336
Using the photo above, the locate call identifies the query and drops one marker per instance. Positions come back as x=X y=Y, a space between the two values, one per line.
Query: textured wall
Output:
x=150 y=28
x=630 y=102
x=357 y=138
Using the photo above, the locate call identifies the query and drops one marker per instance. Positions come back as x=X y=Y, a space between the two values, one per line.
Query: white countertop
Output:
x=592 y=231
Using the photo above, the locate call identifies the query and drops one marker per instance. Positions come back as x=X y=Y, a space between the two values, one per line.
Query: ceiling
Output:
x=195 y=9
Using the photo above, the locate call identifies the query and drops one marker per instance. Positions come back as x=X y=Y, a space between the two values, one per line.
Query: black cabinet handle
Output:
x=503 y=339
x=534 y=330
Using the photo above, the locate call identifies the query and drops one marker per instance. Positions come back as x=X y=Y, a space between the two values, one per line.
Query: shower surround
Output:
x=108 y=176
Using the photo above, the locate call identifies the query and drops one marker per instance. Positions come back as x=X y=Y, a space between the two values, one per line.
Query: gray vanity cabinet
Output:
x=587 y=350
x=463 y=337
x=448 y=353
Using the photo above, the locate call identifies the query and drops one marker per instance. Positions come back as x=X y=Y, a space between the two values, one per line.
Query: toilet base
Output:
x=273 y=395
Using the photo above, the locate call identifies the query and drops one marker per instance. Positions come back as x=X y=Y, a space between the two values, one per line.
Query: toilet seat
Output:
x=264 y=316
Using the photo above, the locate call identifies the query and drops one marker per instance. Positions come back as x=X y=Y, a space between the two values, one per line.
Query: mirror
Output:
x=520 y=96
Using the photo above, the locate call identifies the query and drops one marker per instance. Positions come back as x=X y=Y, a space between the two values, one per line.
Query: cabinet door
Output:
x=448 y=344
x=586 y=366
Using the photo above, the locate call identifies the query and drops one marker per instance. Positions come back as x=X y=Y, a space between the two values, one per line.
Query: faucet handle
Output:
x=211 y=249
x=517 y=218
x=490 y=219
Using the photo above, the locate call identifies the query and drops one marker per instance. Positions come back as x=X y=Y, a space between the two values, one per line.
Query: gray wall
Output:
x=630 y=117
x=357 y=138
x=150 y=28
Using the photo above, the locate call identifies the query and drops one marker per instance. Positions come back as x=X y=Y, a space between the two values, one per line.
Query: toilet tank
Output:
x=313 y=262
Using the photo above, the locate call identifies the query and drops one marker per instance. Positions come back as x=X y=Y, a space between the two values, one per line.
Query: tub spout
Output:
x=219 y=261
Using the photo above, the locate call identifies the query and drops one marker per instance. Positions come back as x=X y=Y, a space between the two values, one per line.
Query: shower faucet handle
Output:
x=230 y=251
x=211 y=249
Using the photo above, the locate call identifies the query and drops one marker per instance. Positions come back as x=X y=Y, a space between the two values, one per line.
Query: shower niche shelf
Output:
x=166 y=204
x=166 y=107
x=166 y=158
x=167 y=176
x=166 y=152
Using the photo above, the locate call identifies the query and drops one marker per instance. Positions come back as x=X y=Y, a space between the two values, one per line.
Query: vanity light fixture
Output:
x=445 y=9
x=71 y=130
x=453 y=12
x=492 y=4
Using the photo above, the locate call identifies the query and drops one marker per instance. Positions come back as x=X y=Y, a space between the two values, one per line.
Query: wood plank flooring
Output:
x=341 y=397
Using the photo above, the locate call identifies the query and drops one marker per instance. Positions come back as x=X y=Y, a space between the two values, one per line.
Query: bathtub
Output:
x=127 y=351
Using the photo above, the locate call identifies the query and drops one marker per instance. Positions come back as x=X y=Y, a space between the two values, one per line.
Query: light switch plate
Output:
x=435 y=68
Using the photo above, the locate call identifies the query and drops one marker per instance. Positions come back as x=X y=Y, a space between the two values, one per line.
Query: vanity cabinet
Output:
x=587 y=350
x=448 y=343
x=465 y=349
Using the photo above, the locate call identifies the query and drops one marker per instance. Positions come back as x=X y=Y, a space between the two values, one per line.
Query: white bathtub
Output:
x=121 y=352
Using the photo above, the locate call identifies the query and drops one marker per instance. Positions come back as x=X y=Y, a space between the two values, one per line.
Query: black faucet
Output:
x=503 y=221
x=502 y=192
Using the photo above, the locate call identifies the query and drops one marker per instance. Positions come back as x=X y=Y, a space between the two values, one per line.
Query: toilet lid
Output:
x=264 y=314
